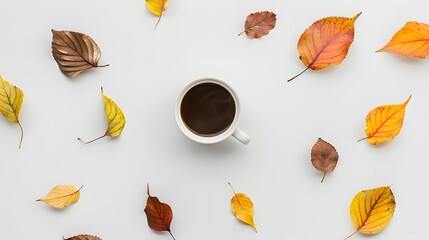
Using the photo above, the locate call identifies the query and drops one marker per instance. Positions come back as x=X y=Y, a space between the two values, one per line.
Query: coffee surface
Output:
x=208 y=109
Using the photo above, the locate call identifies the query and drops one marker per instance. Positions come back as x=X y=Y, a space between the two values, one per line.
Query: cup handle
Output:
x=241 y=136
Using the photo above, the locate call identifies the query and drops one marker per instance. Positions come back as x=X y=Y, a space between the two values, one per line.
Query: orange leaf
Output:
x=411 y=40
x=326 y=42
x=383 y=123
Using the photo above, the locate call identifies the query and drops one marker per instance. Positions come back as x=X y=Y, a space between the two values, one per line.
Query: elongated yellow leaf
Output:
x=371 y=210
x=383 y=123
x=242 y=207
x=11 y=99
x=62 y=196
x=115 y=118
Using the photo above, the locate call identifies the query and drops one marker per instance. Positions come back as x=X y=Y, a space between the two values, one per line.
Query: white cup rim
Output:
x=209 y=139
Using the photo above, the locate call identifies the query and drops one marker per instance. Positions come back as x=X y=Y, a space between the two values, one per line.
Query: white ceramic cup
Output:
x=231 y=130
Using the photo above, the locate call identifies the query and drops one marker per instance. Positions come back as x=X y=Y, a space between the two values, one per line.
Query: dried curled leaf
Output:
x=62 y=196
x=11 y=99
x=115 y=119
x=242 y=207
x=156 y=7
x=324 y=157
x=83 y=237
x=326 y=42
x=371 y=210
x=410 y=41
x=383 y=123
x=74 y=52
x=159 y=215
x=259 y=24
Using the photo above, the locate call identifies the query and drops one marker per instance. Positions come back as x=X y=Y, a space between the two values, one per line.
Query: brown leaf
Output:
x=259 y=24
x=74 y=52
x=324 y=157
x=159 y=215
x=83 y=237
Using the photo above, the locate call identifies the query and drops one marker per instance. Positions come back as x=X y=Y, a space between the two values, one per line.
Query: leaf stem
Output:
x=351 y=235
x=159 y=19
x=362 y=139
x=106 y=65
x=299 y=73
x=324 y=174
x=22 y=135
x=91 y=140
x=242 y=32
x=171 y=235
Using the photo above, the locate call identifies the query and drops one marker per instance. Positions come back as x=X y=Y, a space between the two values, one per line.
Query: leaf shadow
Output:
x=221 y=150
x=411 y=61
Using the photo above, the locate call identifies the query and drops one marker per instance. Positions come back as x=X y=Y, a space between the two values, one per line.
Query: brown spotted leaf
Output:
x=74 y=52
x=259 y=24
x=159 y=214
x=324 y=157
x=83 y=237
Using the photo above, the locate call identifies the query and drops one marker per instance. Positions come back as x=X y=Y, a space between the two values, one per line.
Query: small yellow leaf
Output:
x=242 y=207
x=11 y=99
x=62 y=196
x=156 y=7
x=383 y=123
x=115 y=119
x=371 y=210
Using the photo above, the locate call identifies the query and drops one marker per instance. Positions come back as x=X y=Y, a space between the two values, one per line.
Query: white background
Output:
x=147 y=71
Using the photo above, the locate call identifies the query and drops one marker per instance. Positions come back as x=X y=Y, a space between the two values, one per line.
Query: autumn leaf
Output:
x=259 y=24
x=115 y=119
x=371 y=210
x=83 y=237
x=242 y=207
x=383 y=123
x=62 y=196
x=74 y=52
x=11 y=99
x=326 y=42
x=159 y=215
x=324 y=157
x=156 y=7
x=410 y=41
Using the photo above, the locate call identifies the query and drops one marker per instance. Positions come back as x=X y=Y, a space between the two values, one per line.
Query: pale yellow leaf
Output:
x=11 y=99
x=62 y=196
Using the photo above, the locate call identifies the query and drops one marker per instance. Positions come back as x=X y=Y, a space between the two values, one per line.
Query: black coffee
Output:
x=207 y=109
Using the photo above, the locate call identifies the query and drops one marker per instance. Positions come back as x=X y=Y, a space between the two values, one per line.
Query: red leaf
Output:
x=259 y=24
x=159 y=215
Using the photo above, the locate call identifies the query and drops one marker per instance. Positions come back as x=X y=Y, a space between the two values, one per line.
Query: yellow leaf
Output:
x=372 y=210
x=11 y=99
x=156 y=7
x=385 y=122
x=242 y=207
x=115 y=119
x=410 y=41
x=62 y=196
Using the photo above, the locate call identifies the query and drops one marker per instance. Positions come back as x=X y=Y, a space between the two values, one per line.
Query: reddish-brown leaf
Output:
x=324 y=157
x=84 y=237
x=259 y=24
x=159 y=214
